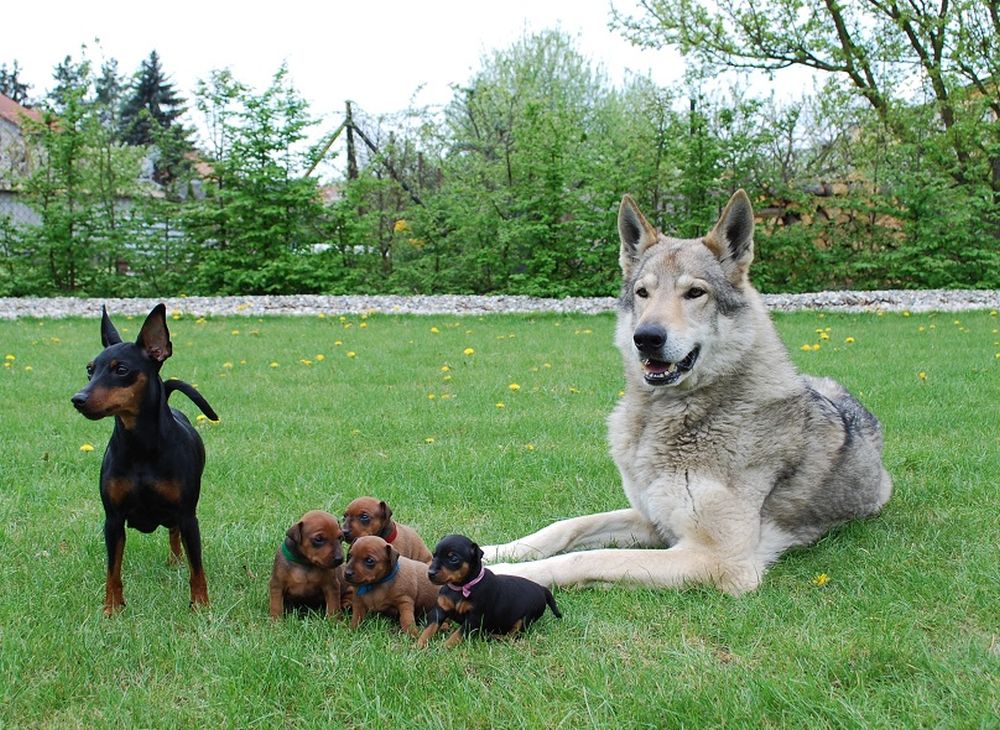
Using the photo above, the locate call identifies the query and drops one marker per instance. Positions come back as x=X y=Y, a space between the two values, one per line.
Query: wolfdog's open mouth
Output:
x=658 y=372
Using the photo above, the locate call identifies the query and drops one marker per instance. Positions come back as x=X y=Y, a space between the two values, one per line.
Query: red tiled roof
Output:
x=14 y=112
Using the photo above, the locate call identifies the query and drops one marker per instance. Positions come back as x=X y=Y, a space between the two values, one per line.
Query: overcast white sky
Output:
x=375 y=52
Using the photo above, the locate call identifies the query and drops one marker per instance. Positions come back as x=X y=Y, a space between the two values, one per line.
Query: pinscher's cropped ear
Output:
x=386 y=511
x=109 y=335
x=154 y=337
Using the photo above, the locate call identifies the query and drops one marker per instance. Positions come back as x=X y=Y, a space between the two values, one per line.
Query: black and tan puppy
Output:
x=305 y=567
x=369 y=516
x=476 y=599
x=388 y=583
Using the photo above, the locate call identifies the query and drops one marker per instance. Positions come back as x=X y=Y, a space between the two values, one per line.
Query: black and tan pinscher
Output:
x=151 y=473
x=477 y=599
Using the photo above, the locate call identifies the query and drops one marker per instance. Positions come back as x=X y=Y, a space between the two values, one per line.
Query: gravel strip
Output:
x=255 y=306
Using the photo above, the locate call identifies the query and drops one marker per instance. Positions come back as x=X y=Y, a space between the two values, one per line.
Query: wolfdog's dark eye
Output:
x=694 y=292
x=641 y=292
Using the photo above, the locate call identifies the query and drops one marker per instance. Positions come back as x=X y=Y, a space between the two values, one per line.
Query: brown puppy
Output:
x=305 y=567
x=388 y=583
x=369 y=516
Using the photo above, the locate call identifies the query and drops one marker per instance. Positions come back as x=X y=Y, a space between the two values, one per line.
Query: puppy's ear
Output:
x=386 y=512
x=154 y=337
x=732 y=238
x=477 y=551
x=294 y=533
x=392 y=554
x=109 y=335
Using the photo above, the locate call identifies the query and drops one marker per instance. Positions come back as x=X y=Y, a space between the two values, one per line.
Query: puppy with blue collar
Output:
x=388 y=583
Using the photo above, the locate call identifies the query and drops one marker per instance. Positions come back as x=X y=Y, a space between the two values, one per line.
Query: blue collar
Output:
x=366 y=587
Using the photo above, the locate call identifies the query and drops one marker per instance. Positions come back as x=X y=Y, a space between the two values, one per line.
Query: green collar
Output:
x=292 y=557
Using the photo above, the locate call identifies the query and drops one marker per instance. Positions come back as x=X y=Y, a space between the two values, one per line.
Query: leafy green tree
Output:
x=77 y=189
x=256 y=226
x=881 y=50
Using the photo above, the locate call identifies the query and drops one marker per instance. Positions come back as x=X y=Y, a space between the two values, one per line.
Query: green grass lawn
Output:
x=316 y=411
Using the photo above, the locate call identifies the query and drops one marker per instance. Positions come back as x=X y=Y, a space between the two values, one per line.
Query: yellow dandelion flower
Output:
x=445 y=368
x=429 y=440
x=446 y=378
x=824 y=336
x=621 y=393
x=806 y=348
x=514 y=387
x=922 y=375
x=529 y=447
x=235 y=333
x=200 y=320
x=445 y=396
x=921 y=328
x=435 y=331
x=9 y=358
x=87 y=448
x=821 y=580
x=400 y=226
x=175 y=315
x=7 y=365
x=574 y=390
x=305 y=361
x=352 y=354
x=815 y=347
x=547 y=365
x=849 y=340
x=906 y=312
x=201 y=418
x=500 y=404
x=468 y=351
x=338 y=343
x=431 y=396
x=321 y=315
x=363 y=325
x=28 y=369
x=347 y=325
x=227 y=365
x=274 y=364
x=320 y=357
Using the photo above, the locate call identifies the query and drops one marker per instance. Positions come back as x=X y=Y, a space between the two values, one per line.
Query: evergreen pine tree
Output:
x=152 y=101
x=11 y=84
x=149 y=116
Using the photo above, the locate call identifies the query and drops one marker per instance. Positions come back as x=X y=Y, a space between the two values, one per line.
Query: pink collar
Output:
x=466 y=588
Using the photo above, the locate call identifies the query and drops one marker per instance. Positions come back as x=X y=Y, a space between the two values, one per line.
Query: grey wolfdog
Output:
x=728 y=456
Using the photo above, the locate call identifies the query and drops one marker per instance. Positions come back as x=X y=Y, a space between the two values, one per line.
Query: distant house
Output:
x=15 y=154
x=15 y=158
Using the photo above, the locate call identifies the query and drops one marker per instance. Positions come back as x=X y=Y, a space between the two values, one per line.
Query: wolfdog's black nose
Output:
x=649 y=337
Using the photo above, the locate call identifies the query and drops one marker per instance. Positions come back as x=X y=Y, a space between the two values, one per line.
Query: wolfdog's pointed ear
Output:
x=635 y=232
x=154 y=337
x=109 y=335
x=732 y=238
